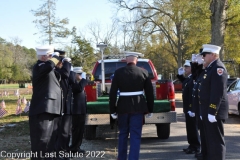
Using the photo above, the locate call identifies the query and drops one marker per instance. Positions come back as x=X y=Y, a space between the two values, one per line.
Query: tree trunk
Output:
x=218 y=23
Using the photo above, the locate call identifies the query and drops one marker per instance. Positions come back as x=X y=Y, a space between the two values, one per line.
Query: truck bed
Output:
x=101 y=106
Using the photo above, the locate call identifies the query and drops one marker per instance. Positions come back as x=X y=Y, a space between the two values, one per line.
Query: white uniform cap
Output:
x=187 y=63
x=77 y=69
x=211 y=48
x=56 y=53
x=135 y=54
x=44 y=50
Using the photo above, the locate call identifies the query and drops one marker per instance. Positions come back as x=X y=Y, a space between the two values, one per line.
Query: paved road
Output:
x=153 y=148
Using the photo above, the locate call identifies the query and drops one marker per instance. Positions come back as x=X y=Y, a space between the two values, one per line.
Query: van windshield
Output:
x=110 y=68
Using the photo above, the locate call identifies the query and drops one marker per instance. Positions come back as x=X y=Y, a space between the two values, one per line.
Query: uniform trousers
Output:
x=129 y=123
x=78 y=126
x=192 y=132
x=64 y=133
x=202 y=137
x=43 y=135
x=214 y=134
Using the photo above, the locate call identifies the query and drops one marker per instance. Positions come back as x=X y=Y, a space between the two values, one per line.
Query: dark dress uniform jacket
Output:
x=67 y=93
x=79 y=97
x=213 y=91
x=131 y=79
x=187 y=85
x=47 y=94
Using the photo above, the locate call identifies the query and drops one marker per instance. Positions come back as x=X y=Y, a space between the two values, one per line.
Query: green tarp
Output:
x=102 y=106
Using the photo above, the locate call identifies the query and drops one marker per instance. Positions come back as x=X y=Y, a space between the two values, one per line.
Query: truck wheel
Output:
x=90 y=132
x=163 y=130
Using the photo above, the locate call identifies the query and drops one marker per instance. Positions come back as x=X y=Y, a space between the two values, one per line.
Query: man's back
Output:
x=132 y=79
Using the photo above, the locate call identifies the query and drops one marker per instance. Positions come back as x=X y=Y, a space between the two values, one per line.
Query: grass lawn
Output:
x=9 y=86
x=14 y=129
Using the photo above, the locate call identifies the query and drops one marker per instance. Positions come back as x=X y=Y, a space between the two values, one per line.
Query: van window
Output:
x=110 y=68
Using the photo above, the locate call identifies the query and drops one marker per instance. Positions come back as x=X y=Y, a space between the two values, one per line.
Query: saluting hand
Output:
x=180 y=71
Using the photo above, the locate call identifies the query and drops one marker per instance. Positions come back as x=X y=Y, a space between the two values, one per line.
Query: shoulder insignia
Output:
x=40 y=64
x=220 y=71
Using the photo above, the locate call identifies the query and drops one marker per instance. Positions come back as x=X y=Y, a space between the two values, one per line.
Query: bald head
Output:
x=131 y=59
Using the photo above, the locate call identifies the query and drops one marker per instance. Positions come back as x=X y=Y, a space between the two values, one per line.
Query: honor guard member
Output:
x=135 y=99
x=46 y=103
x=197 y=68
x=79 y=109
x=62 y=54
x=193 y=137
x=213 y=102
x=64 y=132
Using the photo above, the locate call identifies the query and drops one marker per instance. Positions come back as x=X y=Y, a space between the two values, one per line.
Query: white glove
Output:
x=191 y=114
x=114 y=115
x=67 y=59
x=201 y=117
x=55 y=54
x=83 y=75
x=149 y=115
x=181 y=71
x=199 y=59
x=71 y=68
x=211 y=118
x=194 y=58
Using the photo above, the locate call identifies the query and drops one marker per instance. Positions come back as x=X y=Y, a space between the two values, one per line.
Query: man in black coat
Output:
x=78 y=109
x=46 y=104
x=133 y=83
x=213 y=102
x=64 y=132
x=191 y=121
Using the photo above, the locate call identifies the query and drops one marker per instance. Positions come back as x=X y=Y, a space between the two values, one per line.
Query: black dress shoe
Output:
x=185 y=149
x=191 y=151
x=200 y=158
x=81 y=151
x=198 y=155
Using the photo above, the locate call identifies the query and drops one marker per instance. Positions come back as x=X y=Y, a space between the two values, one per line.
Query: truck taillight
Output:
x=171 y=95
x=91 y=92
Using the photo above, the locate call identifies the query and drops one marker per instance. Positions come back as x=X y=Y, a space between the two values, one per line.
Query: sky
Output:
x=16 y=20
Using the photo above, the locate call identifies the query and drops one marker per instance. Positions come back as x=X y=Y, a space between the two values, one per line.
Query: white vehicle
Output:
x=233 y=93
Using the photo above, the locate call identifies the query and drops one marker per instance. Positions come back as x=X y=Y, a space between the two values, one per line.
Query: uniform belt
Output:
x=131 y=93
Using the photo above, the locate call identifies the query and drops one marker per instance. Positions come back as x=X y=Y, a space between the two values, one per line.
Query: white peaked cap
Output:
x=211 y=48
x=77 y=69
x=187 y=63
x=56 y=53
x=44 y=50
x=135 y=54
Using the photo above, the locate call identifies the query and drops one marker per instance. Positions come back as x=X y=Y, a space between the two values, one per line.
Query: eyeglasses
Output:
x=205 y=53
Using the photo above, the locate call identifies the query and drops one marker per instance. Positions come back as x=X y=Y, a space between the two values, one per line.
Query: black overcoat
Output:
x=212 y=91
x=131 y=79
x=47 y=93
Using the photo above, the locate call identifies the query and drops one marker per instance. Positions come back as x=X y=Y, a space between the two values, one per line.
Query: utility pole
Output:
x=102 y=46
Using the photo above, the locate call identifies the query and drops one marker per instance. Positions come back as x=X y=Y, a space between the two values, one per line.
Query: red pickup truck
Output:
x=97 y=104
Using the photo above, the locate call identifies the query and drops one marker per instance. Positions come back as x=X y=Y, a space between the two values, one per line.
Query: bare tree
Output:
x=162 y=16
x=51 y=28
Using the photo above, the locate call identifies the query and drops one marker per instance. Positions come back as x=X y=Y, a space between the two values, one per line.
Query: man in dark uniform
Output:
x=64 y=132
x=197 y=68
x=191 y=121
x=213 y=102
x=133 y=83
x=46 y=103
x=78 y=110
